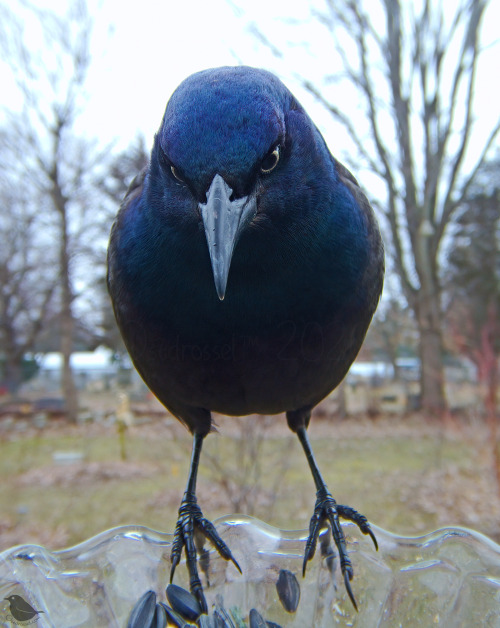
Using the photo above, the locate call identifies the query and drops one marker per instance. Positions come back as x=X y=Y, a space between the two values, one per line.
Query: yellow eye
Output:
x=270 y=162
x=176 y=174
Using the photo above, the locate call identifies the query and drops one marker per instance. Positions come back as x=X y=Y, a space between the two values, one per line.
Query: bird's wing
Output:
x=350 y=181
x=375 y=270
x=135 y=188
x=133 y=192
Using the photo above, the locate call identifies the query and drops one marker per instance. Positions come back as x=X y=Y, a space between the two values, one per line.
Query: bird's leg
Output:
x=327 y=510
x=191 y=522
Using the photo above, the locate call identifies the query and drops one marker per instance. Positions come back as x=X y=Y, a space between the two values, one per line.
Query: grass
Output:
x=405 y=475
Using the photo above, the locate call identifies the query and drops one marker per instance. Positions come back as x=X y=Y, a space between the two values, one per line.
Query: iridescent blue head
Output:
x=224 y=121
x=222 y=130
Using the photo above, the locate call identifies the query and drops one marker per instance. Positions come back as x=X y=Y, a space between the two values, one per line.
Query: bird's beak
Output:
x=224 y=220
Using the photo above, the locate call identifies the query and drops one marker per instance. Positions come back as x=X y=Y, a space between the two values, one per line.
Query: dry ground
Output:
x=406 y=474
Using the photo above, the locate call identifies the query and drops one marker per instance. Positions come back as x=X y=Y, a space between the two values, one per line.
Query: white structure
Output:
x=90 y=368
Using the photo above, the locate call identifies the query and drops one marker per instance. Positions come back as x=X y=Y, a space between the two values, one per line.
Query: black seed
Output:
x=222 y=619
x=174 y=618
x=206 y=622
x=143 y=612
x=183 y=602
x=288 y=590
x=256 y=619
x=160 y=618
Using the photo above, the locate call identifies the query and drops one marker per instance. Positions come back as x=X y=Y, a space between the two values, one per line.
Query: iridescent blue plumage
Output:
x=245 y=265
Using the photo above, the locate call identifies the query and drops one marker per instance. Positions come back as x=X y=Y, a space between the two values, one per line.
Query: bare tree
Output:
x=413 y=70
x=473 y=281
x=473 y=291
x=51 y=157
x=122 y=169
x=113 y=184
x=27 y=281
x=392 y=333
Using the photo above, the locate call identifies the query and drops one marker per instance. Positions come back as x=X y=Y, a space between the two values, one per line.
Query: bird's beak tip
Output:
x=223 y=222
x=221 y=291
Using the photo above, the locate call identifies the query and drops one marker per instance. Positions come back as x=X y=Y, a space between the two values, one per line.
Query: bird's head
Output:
x=225 y=141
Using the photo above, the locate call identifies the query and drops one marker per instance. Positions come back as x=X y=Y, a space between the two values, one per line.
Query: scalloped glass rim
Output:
x=450 y=577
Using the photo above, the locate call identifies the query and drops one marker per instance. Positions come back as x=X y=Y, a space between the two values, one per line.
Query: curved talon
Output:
x=347 y=582
x=372 y=536
x=346 y=512
x=233 y=560
x=175 y=562
x=209 y=531
x=328 y=511
x=191 y=521
x=304 y=565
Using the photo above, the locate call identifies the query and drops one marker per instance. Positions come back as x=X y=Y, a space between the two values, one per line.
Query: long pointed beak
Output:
x=224 y=220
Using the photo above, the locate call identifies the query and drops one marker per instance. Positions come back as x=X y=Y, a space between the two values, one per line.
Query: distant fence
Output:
x=399 y=397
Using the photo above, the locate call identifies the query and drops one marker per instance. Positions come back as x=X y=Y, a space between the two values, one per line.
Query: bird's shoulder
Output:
x=129 y=202
x=348 y=179
x=374 y=267
x=134 y=190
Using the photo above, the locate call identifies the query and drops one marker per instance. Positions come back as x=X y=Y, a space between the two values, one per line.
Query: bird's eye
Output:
x=176 y=174
x=270 y=161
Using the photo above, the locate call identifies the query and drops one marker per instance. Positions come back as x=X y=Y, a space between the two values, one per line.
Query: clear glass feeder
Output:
x=449 y=578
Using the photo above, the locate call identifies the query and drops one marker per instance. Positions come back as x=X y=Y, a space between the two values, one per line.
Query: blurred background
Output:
x=406 y=96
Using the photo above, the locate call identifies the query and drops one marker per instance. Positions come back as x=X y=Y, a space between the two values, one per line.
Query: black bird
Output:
x=20 y=609
x=244 y=266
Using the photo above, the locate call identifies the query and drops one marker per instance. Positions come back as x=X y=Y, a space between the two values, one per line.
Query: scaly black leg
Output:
x=326 y=510
x=191 y=521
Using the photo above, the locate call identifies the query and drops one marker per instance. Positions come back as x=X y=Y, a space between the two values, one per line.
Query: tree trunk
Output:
x=67 y=379
x=12 y=371
x=67 y=328
x=492 y=421
x=13 y=377
x=67 y=319
x=342 y=401
x=431 y=354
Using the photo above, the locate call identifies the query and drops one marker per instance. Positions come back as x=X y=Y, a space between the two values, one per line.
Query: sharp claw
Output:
x=191 y=530
x=309 y=551
x=347 y=582
x=233 y=560
x=373 y=538
x=175 y=562
x=304 y=565
x=327 y=510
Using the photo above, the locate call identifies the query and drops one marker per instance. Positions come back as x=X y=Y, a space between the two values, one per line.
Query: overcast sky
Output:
x=142 y=50
x=154 y=45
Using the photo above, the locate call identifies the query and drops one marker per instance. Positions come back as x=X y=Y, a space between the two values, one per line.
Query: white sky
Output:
x=155 y=44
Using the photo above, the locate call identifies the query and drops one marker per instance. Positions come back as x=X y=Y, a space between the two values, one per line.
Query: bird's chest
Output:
x=285 y=330
x=265 y=304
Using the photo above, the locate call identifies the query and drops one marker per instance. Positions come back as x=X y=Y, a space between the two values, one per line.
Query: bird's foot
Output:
x=327 y=510
x=346 y=512
x=191 y=521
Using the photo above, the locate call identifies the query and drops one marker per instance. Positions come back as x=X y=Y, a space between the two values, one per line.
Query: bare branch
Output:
x=455 y=203
x=470 y=46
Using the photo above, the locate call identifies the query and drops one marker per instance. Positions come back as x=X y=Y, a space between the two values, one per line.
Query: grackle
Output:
x=244 y=266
